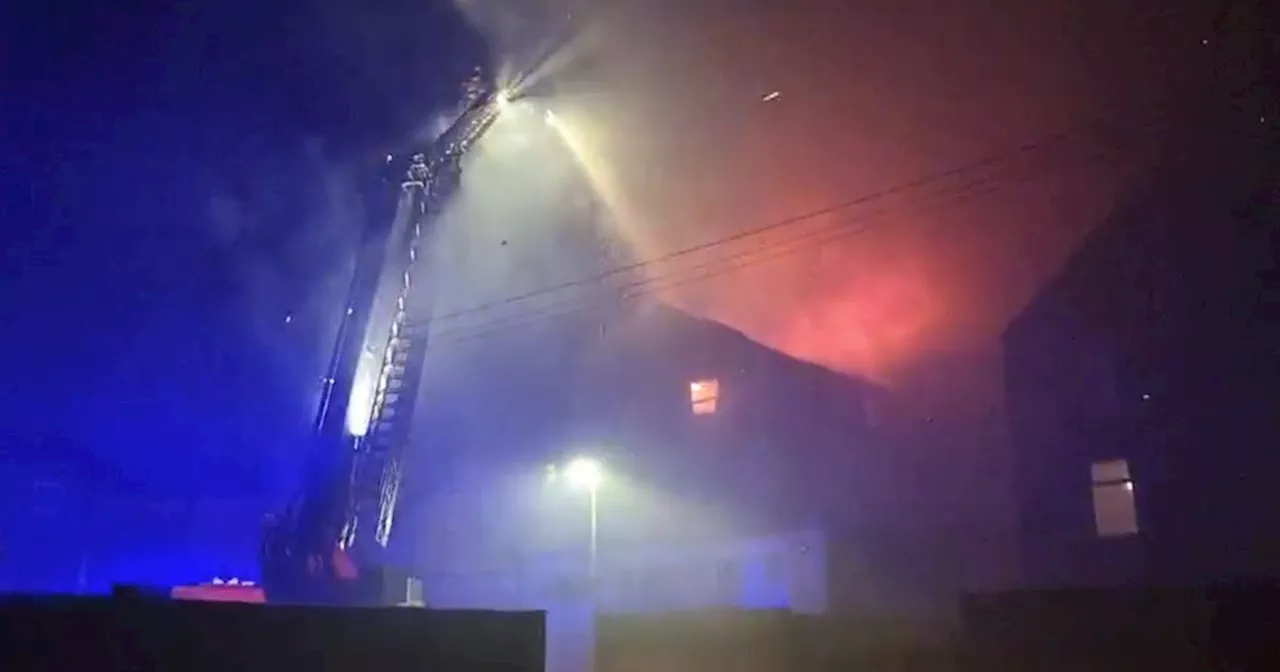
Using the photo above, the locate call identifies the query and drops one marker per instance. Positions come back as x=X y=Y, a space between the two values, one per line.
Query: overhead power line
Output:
x=804 y=240
x=1031 y=148
x=651 y=286
x=747 y=259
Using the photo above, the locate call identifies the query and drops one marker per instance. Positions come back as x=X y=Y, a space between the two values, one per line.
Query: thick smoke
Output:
x=288 y=249
x=672 y=108
x=667 y=100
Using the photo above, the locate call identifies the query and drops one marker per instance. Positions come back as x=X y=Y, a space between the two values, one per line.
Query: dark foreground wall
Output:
x=1221 y=629
x=767 y=641
x=1225 y=627
x=702 y=641
x=90 y=635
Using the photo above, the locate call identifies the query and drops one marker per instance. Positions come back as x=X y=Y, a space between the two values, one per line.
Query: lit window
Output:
x=704 y=394
x=1114 y=511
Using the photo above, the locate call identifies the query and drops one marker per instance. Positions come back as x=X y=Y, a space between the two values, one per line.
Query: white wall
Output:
x=784 y=571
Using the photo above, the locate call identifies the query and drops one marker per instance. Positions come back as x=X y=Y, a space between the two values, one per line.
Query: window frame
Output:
x=1113 y=500
x=704 y=396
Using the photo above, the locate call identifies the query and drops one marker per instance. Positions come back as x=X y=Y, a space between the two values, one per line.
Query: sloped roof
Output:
x=1170 y=236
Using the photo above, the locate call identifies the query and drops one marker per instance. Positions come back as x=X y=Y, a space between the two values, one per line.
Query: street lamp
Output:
x=587 y=474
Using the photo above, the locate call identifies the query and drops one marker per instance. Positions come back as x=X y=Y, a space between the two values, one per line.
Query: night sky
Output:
x=183 y=180
x=184 y=186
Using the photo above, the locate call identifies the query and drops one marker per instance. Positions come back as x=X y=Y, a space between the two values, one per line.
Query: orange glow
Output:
x=704 y=395
x=677 y=145
x=868 y=324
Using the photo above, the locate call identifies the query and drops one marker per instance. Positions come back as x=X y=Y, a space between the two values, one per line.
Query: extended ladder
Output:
x=376 y=473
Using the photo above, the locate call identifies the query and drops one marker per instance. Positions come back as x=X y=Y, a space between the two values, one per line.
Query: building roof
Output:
x=1175 y=239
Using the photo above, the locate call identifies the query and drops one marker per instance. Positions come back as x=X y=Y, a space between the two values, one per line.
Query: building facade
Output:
x=1142 y=384
x=726 y=464
x=540 y=351
x=706 y=438
x=729 y=467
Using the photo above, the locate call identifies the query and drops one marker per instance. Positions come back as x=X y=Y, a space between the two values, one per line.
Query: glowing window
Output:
x=704 y=396
x=1115 y=513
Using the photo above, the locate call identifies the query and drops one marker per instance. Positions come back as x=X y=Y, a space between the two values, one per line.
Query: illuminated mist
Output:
x=697 y=120
x=216 y=192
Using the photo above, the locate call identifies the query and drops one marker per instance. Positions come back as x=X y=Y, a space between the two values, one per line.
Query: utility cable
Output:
x=723 y=266
x=1030 y=148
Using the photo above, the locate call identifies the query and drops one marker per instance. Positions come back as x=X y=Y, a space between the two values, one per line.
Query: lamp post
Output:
x=587 y=474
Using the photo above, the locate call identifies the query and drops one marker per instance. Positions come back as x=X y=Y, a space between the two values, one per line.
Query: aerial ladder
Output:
x=348 y=506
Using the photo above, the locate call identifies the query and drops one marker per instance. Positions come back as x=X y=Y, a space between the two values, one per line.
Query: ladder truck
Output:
x=348 y=503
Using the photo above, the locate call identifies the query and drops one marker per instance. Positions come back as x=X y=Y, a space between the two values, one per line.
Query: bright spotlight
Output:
x=502 y=100
x=585 y=473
